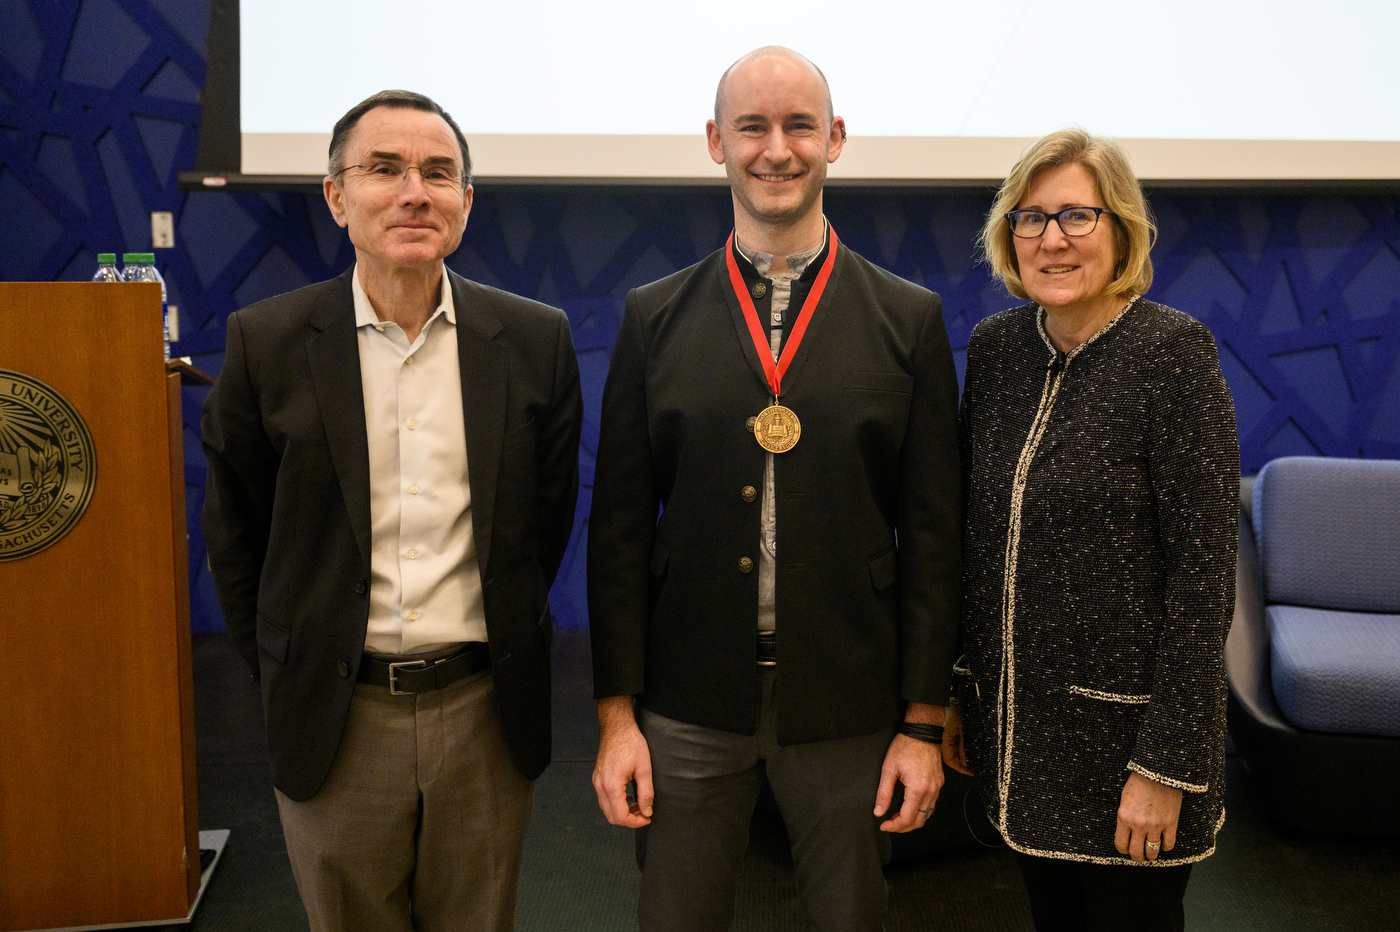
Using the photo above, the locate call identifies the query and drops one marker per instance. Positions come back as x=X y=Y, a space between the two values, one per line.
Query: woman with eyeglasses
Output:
x=1102 y=475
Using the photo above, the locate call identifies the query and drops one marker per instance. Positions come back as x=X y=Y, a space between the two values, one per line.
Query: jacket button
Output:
x=745 y=565
x=759 y=289
x=342 y=668
x=748 y=425
x=360 y=586
x=748 y=493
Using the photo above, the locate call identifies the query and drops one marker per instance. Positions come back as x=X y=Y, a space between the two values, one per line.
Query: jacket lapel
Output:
x=818 y=323
x=741 y=326
x=333 y=355
x=485 y=374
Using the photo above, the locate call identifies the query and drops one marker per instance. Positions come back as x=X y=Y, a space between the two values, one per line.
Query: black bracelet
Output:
x=919 y=731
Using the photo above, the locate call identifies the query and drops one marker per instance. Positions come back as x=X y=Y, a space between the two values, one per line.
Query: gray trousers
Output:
x=420 y=824
x=707 y=783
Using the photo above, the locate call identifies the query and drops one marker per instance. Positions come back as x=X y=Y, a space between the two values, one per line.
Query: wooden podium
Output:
x=98 y=818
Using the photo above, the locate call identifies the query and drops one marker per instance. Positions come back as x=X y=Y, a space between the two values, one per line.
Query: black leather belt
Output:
x=421 y=676
x=767 y=648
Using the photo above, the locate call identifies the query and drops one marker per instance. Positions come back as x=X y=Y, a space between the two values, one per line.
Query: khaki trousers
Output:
x=420 y=824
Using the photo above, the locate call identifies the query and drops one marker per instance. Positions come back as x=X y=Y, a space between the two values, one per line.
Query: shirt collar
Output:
x=364 y=310
x=797 y=264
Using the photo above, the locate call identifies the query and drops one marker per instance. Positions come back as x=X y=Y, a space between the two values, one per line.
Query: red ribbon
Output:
x=775 y=370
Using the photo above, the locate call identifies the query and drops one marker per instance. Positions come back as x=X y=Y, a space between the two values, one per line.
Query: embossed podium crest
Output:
x=48 y=466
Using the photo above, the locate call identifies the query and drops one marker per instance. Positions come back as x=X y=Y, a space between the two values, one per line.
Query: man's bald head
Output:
x=772 y=51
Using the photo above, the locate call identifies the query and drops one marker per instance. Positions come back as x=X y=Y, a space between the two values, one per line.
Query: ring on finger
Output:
x=1154 y=845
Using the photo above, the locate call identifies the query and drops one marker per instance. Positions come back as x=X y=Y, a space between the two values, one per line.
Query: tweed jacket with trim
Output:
x=1099 y=576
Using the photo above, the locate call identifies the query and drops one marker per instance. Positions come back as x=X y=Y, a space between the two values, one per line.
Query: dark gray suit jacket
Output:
x=287 y=519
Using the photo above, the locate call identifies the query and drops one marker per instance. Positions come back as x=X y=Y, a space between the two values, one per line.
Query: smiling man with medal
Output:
x=781 y=389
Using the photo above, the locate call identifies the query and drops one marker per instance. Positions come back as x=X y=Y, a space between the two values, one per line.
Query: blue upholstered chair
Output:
x=1313 y=658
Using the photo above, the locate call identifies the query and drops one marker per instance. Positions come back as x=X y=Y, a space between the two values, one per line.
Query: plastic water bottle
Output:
x=107 y=268
x=141 y=267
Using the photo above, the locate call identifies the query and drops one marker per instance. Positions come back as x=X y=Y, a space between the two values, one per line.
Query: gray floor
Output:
x=580 y=873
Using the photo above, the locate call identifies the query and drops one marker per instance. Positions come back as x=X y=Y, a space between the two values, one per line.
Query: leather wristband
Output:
x=920 y=731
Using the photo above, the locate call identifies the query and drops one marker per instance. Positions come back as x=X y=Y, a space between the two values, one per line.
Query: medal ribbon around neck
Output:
x=776 y=428
x=774 y=370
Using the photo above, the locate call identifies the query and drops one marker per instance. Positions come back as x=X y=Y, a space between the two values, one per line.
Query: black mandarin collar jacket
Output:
x=868 y=507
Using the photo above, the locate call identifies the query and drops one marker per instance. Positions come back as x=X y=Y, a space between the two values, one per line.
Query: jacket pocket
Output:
x=521 y=435
x=884 y=569
x=1125 y=698
x=273 y=638
x=879 y=382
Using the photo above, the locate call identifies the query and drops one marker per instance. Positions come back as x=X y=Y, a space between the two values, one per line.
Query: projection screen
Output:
x=932 y=91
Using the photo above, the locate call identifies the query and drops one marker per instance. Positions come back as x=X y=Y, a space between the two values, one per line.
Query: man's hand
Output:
x=623 y=758
x=916 y=764
x=1147 y=815
x=954 y=752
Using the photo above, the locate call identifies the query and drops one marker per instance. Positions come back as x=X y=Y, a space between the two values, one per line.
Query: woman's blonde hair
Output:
x=1107 y=163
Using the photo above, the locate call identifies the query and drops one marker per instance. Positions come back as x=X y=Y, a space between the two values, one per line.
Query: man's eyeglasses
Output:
x=1074 y=221
x=385 y=174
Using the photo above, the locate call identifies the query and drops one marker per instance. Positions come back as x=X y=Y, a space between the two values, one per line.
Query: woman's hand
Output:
x=954 y=754
x=1147 y=815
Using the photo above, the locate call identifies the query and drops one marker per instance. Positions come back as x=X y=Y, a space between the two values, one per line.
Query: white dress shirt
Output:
x=425 y=586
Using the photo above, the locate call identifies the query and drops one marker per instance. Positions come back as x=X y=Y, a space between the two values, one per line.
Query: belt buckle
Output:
x=394 y=676
x=770 y=640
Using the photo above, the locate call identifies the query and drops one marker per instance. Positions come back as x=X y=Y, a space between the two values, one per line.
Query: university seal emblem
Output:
x=47 y=466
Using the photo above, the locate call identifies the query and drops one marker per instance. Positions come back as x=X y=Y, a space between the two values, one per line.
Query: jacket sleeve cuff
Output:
x=1168 y=781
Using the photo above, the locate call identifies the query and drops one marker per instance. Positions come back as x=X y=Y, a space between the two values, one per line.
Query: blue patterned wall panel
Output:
x=99 y=112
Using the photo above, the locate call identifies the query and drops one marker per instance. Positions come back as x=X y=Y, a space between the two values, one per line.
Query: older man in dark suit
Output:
x=393 y=468
x=790 y=411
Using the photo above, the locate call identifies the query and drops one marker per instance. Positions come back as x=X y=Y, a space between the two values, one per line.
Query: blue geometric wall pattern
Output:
x=99 y=111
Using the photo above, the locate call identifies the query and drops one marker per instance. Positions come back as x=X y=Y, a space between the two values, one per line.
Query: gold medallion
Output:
x=777 y=429
x=48 y=466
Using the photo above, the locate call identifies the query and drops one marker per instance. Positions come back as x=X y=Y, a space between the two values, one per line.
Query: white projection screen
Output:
x=933 y=91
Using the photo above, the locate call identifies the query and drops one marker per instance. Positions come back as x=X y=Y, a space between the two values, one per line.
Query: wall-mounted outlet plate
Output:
x=162 y=229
